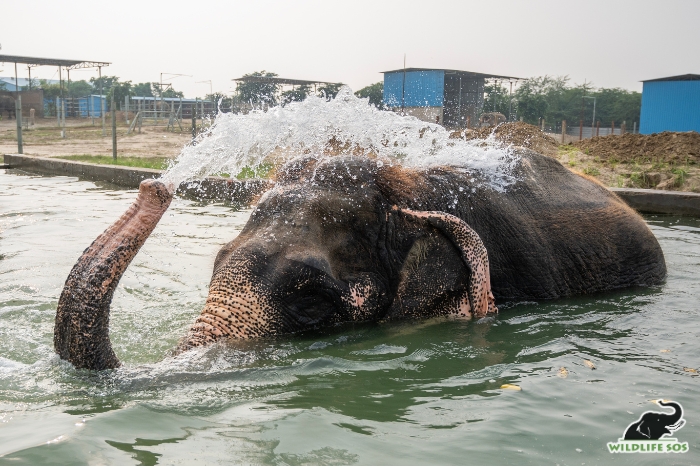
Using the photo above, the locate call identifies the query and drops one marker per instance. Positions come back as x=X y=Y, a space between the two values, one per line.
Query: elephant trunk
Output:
x=237 y=307
x=675 y=416
x=81 y=333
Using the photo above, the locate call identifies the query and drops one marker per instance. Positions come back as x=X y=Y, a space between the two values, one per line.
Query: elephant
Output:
x=356 y=239
x=654 y=425
x=7 y=104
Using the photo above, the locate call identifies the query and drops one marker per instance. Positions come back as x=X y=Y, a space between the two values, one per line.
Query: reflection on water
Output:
x=424 y=392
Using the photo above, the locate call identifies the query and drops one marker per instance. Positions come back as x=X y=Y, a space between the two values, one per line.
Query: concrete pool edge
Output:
x=646 y=200
x=243 y=191
x=212 y=188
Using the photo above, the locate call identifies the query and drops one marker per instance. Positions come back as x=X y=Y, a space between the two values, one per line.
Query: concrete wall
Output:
x=30 y=99
x=660 y=202
x=427 y=114
x=243 y=191
x=213 y=188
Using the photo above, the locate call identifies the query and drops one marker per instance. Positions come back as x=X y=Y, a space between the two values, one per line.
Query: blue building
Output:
x=453 y=98
x=91 y=106
x=670 y=104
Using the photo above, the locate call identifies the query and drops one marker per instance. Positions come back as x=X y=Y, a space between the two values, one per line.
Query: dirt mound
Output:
x=517 y=134
x=669 y=147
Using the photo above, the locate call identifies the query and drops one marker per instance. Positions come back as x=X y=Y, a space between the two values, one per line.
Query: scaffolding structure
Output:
x=66 y=64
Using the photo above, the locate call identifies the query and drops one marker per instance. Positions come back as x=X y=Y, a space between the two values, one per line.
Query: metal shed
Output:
x=454 y=98
x=670 y=104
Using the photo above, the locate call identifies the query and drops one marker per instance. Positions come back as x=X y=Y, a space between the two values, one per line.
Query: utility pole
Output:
x=114 y=129
x=102 y=103
x=18 y=115
x=403 y=86
x=172 y=75
x=593 y=120
x=510 y=100
x=210 y=87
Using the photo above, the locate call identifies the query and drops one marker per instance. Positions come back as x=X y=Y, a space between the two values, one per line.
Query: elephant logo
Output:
x=655 y=425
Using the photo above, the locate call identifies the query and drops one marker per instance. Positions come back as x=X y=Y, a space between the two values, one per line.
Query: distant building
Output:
x=453 y=98
x=9 y=83
x=670 y=104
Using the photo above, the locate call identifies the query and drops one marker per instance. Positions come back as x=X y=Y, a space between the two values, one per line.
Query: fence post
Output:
x=542 y=123
x=18 y=118
x=580 y=130
x=597 y=128
x=612 y=128
x=194 y=119
x=114 y=130
x=623 y=127
x=563 y=130
x=126 y=104
x=634 y=128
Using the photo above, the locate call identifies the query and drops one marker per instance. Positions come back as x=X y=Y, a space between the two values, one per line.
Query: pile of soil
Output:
x=518 y=134
x=669 y=147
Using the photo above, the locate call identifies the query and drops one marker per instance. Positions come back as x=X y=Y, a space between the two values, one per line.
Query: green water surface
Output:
x=423 y=392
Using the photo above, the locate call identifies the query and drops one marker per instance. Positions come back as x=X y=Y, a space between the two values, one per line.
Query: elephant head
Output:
x=326 y=245
x=654 y=425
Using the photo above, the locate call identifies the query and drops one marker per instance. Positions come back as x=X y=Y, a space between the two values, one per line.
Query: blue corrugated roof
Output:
x=688 y=77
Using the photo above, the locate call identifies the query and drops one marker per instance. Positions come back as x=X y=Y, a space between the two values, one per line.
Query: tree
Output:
x=107 y=83
x=32 y=84
x=168 y=91
x=617 y=105
x=297 y=94
x=220 y=100
x=375 y=94
x=79 y=88
x=142 y=90
x=497 y=99
x=258 y=92
x=530 y=100
x=51 y=91
x=553 y=99
x=330 y=90
x=119 y=91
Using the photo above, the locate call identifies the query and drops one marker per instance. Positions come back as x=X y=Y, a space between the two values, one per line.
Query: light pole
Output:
x=171 y=75
x=593 y=122
x=207 y=81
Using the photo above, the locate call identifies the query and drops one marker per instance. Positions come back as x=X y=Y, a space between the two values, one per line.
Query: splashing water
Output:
x=347 y=123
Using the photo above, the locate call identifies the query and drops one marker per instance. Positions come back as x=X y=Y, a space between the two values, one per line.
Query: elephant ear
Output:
x=478 y=299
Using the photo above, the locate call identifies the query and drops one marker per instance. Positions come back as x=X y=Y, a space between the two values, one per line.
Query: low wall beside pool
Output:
x=243 y=191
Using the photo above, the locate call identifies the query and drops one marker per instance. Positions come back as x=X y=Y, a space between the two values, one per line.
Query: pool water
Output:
x=419 y=392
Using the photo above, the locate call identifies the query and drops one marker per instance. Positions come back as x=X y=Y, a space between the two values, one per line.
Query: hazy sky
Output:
x=611 y=43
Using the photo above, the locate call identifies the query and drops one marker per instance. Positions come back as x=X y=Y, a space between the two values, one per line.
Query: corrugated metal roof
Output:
x=688 y=77
x=36 y=61
x=461 y=72
x=276 y=80
x=169 y=99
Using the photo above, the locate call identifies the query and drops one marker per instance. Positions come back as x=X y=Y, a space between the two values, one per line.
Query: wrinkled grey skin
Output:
x=346 y=240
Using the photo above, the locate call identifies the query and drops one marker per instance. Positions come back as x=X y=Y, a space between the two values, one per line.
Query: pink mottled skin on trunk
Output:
x=136 y=224
x=82 y=316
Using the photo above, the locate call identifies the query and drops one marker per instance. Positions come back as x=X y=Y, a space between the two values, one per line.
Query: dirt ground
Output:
x=518 y=134
x=665 y=161
x=82 y=137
